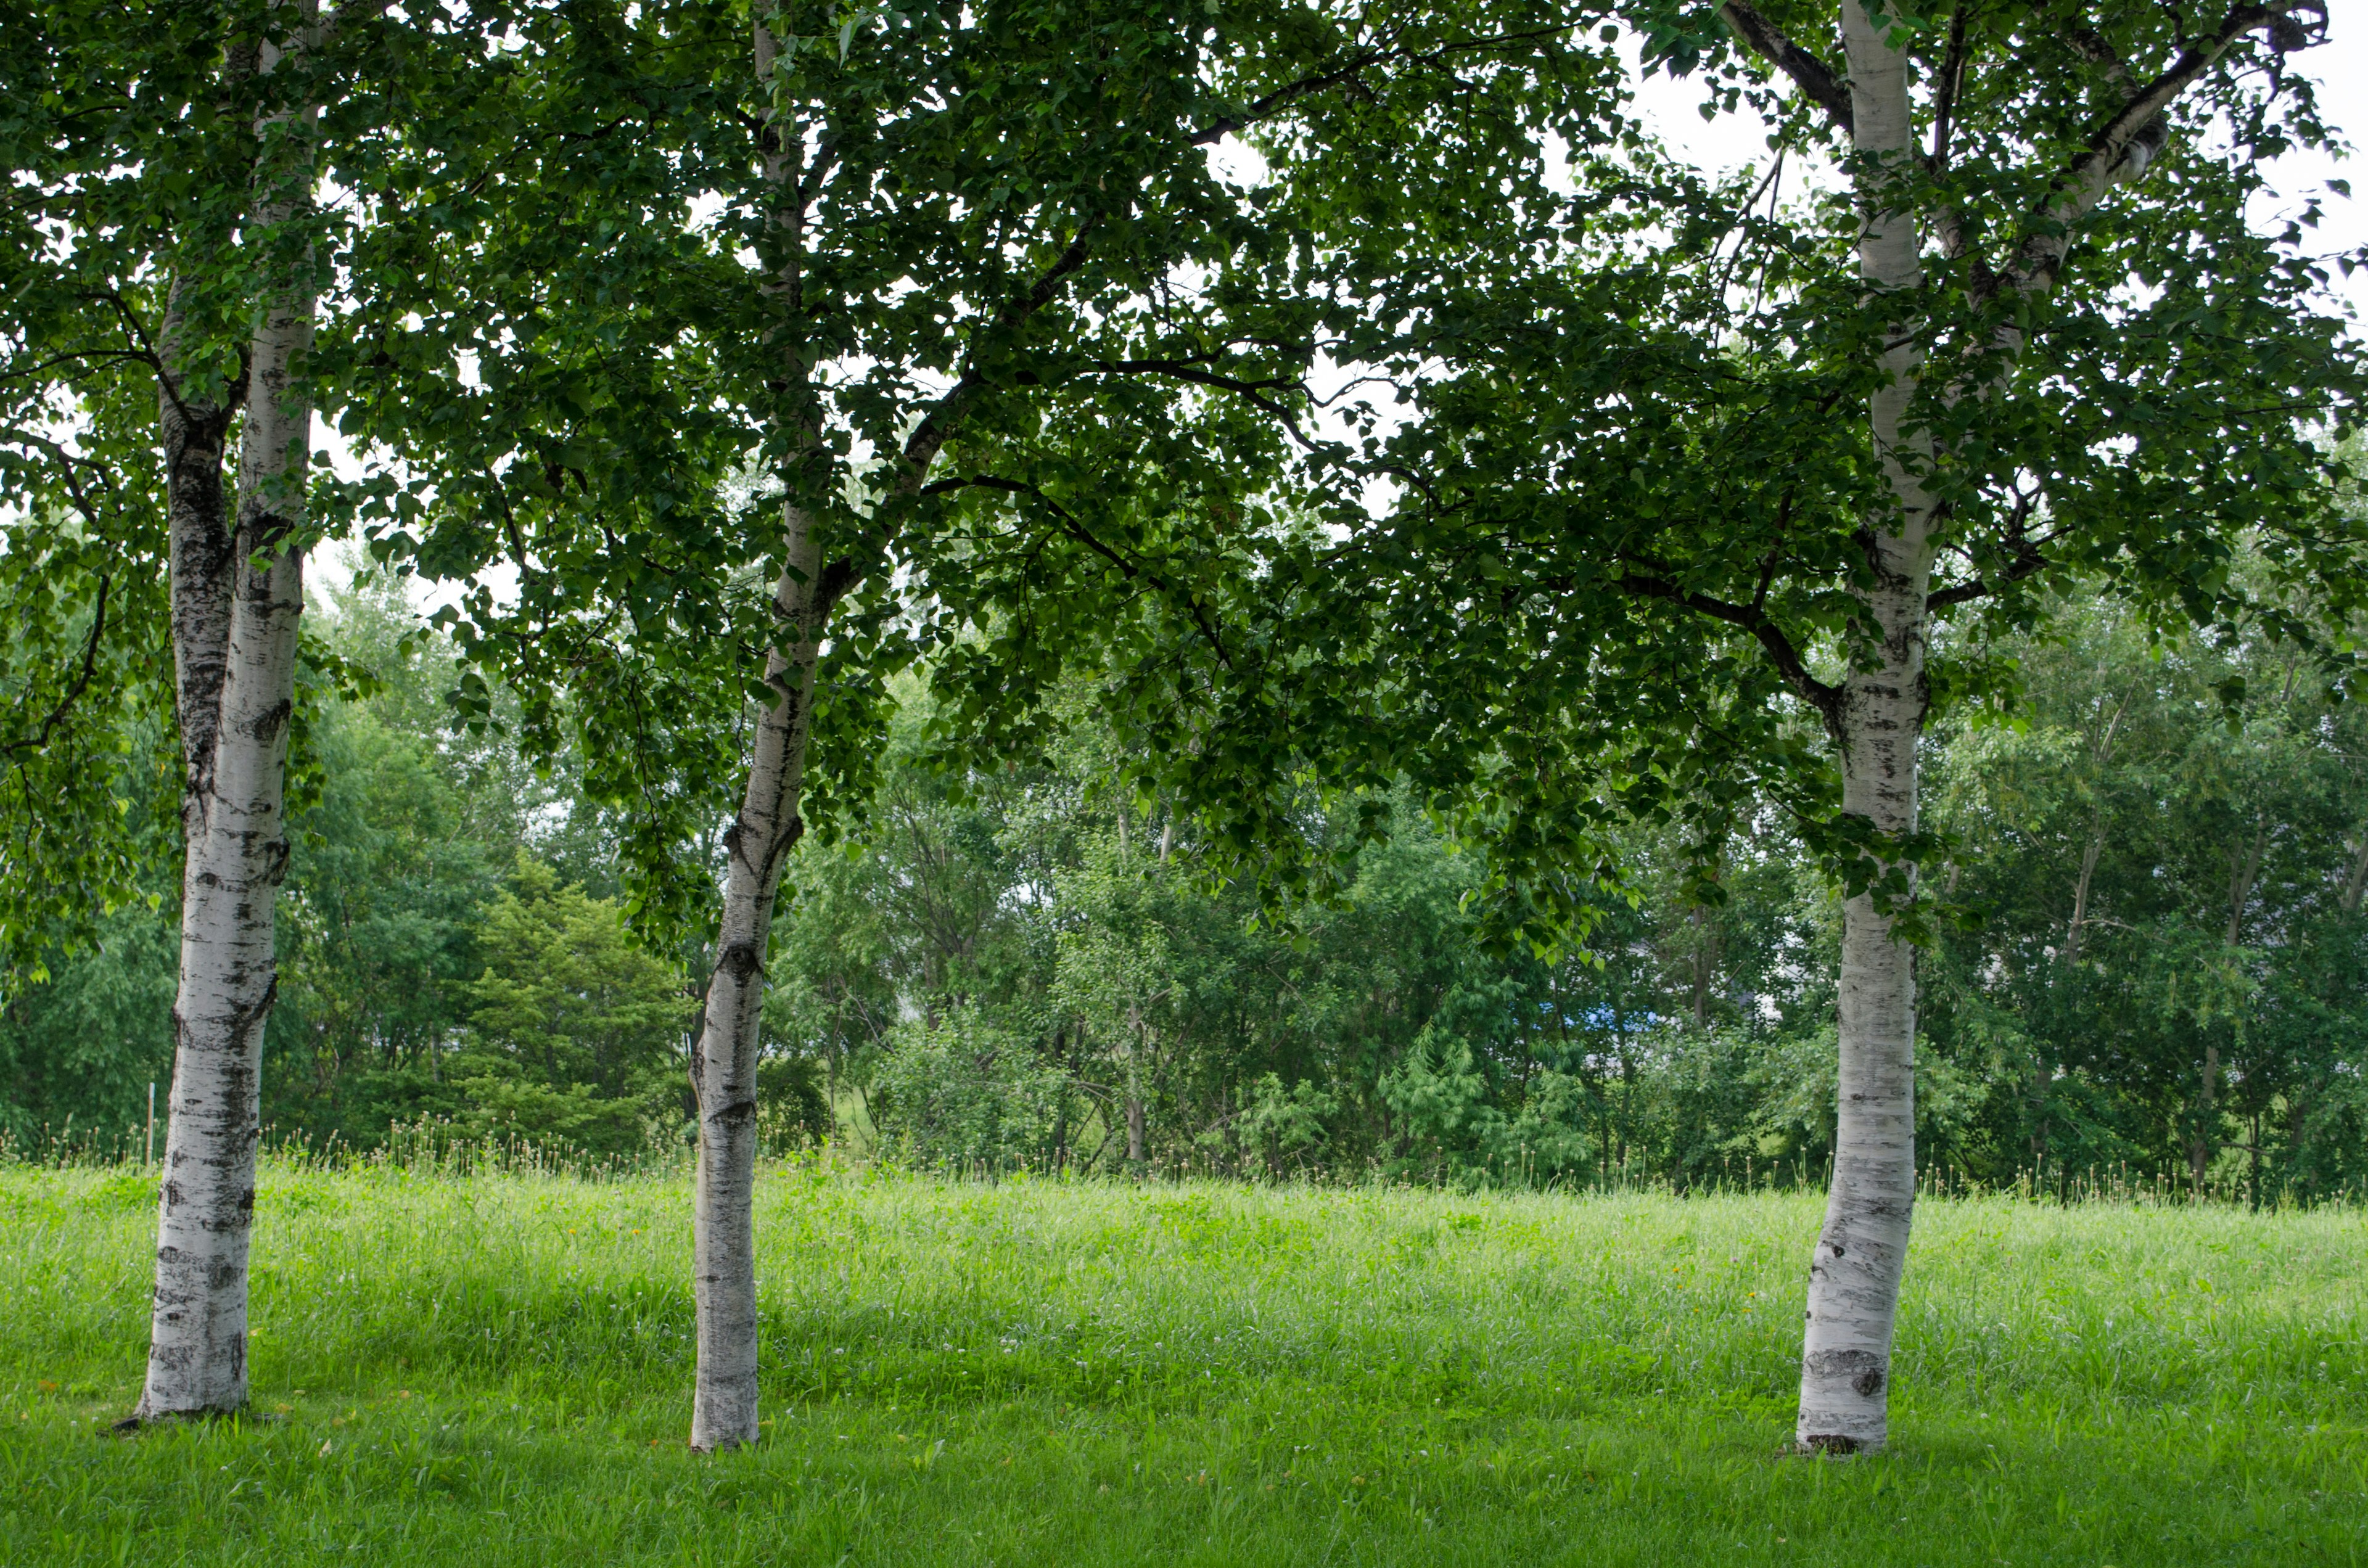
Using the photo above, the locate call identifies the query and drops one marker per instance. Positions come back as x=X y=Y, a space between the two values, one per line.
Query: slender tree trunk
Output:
x=724 y=1057
x=1707 y=951
x=237 y=601
x=2200 y=1141
x=2356 y=883
x=1135 y=1149
x=2089 y=855
x=1855 y=1267
x=2244 y=869
x=723 y=1063
x=2255 y=1196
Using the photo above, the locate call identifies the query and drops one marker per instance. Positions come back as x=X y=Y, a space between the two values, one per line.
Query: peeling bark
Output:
x=237 y=597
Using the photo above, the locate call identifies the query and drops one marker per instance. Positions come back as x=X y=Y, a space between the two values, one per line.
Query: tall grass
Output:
x=2113 y=1377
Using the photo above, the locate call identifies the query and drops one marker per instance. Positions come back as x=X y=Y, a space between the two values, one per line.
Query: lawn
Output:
x=495 y=1369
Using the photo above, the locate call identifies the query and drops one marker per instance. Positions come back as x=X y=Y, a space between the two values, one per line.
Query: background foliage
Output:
x=983 y=977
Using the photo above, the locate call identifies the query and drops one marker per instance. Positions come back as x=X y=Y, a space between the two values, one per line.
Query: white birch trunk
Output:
x=1855 y=1267
x=235 y=616
x=724 y=1062
x=724 y=1065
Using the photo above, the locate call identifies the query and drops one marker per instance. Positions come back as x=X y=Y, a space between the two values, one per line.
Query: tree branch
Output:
x=2027 y=560
x=1347 y=72
x=2120 y=150
x=945 y=416
x=82 y=682
x=1945 y=90
x=1825 y=699
x=1250 y=391
x=1816 y=79
x=1076 y=529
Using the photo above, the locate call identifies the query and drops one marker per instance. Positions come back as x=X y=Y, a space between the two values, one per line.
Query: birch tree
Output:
x=980 y=337
x=1982 y=146
x=238 y=593
x=1681 y=522
x=169 y=162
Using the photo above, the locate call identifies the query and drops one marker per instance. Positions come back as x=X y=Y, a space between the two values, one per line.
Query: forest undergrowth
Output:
x=496 y=1369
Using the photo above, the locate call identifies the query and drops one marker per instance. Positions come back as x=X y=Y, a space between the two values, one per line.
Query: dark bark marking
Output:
x=1855 y=1365
x=272 y=720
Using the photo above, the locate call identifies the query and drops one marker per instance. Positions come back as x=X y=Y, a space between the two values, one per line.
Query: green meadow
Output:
x=494 y=1369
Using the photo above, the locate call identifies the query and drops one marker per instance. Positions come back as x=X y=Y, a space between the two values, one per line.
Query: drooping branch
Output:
x=1818 y=81
x=1780 y=649
x=1075 y=528
x=81 y=683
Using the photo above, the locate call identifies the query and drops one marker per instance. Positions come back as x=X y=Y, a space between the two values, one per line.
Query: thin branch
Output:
x=1827 y=699
x=1184 y=372
x=82 y=682
x=1076 y=529
x=1945 y=91
x=2027 y=560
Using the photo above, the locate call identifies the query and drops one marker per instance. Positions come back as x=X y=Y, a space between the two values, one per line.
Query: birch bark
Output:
x=236 y=603
x=723 y=1059
x=1855 y=1267
x=723 y=1063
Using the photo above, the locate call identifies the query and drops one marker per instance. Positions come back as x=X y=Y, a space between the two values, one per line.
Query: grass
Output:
x=495 y=1369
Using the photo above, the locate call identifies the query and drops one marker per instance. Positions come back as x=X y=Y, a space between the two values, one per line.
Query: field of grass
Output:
x=495 y=1369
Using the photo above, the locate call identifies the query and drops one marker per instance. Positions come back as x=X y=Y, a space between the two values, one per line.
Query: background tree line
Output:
x=2157 y=972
